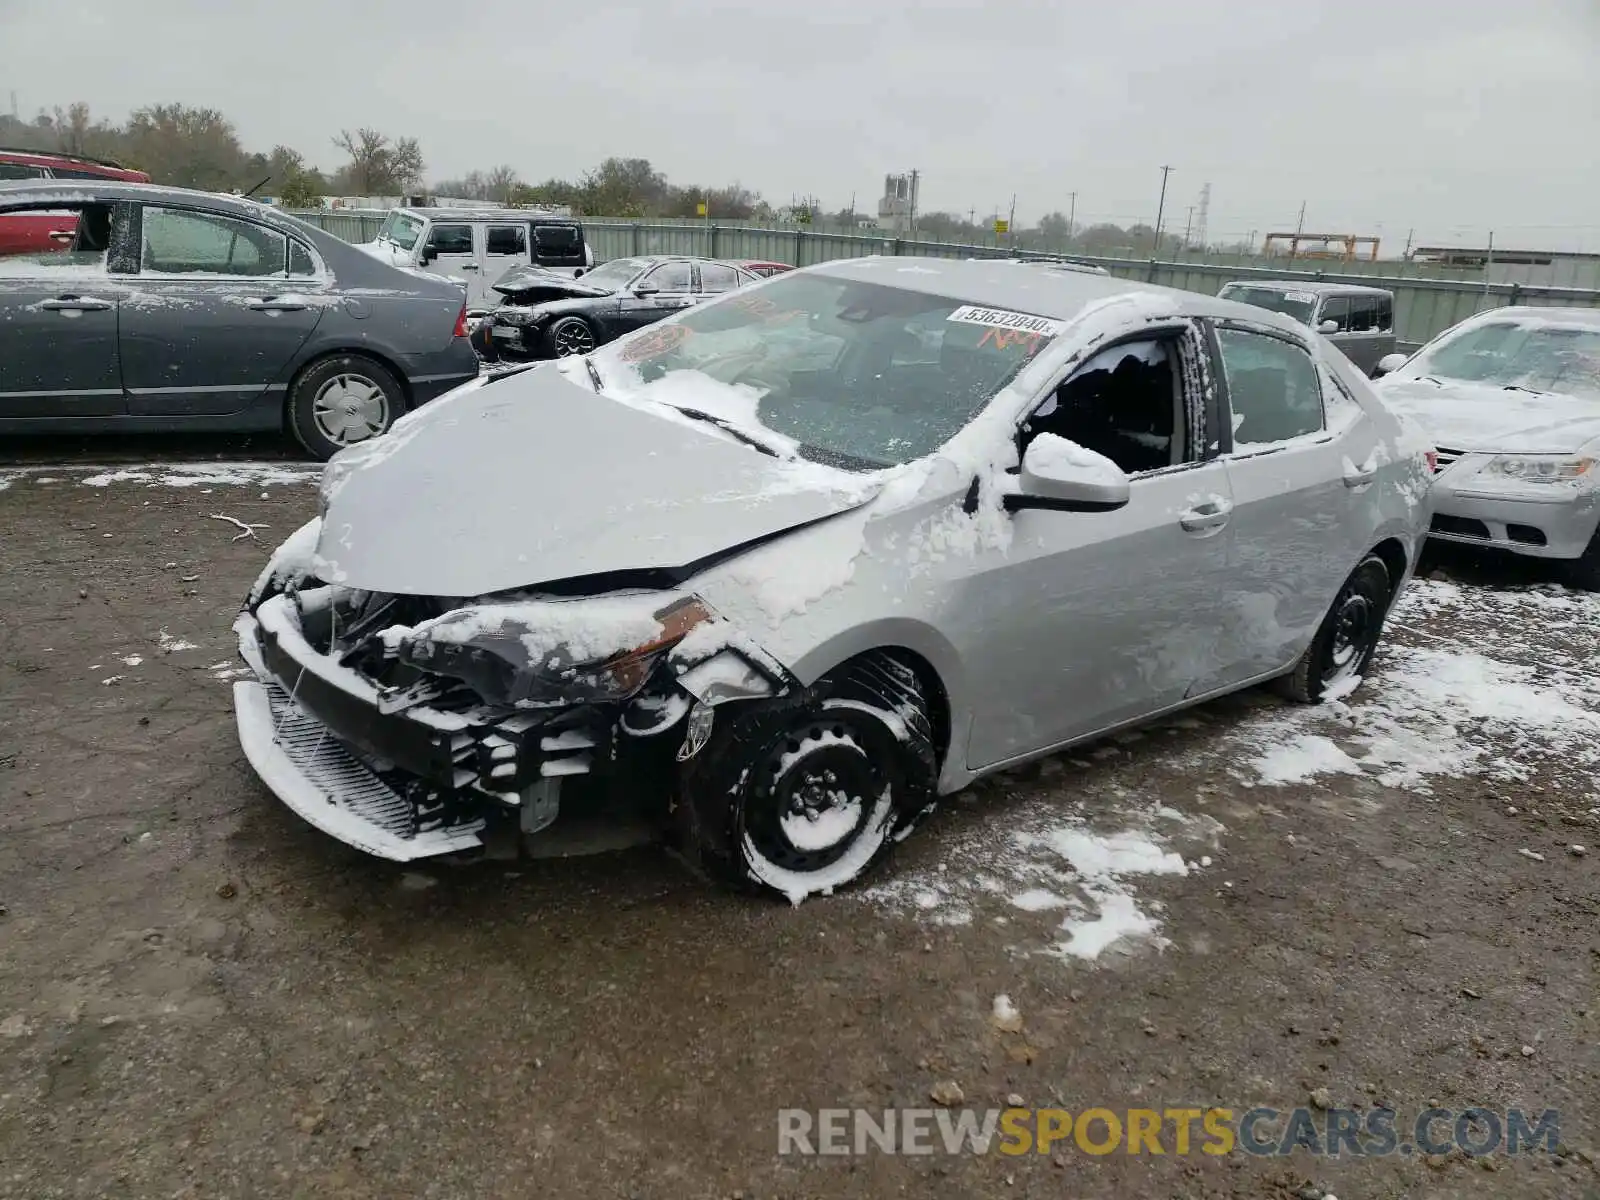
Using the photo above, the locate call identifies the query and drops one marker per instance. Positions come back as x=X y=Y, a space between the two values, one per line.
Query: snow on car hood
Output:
x=535 y=478
x=526 y=278
x=1471 y=416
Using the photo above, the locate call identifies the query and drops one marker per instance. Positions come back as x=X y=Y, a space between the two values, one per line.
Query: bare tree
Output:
x=501 y=183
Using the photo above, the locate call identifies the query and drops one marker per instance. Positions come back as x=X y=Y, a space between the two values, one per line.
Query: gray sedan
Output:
x=172 y=310
x=1511 y=397
x=794 y=563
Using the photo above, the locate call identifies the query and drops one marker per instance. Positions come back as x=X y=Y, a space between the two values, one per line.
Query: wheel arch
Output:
x=934 y=688
x=1393 y=553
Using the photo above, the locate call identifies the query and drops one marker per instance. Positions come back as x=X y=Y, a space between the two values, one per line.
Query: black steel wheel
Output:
x=1348 y=637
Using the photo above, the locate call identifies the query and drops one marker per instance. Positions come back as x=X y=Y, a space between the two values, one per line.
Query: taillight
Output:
x=461 y=321
x=1433 y=461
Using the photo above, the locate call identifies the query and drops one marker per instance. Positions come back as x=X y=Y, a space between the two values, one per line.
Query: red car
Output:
x=51 y=231
x=760 y=267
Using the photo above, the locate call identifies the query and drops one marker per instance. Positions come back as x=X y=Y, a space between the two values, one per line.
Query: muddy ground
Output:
x=200 y=996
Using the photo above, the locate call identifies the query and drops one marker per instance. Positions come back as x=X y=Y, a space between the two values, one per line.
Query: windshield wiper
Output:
x=1517 y=387
x=594 y=372
x=727 y=427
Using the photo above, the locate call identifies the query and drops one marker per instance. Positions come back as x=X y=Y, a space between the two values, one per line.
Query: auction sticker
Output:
x=1301 y=297
x=1000 y=318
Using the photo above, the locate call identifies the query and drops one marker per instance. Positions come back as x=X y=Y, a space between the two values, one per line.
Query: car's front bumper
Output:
x=404 y=784
x=1558 y=526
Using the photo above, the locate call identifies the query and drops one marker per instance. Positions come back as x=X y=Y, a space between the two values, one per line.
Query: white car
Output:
x=1511 y=398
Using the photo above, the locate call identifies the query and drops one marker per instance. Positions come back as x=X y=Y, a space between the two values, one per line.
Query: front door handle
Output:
x=64 y=236
x=272 y=304
x=72 y=304
x=1205 y=518
x=469 y=266
x=1355 y=476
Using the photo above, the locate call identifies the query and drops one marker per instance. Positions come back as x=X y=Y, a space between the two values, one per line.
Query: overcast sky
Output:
x=1453 y=117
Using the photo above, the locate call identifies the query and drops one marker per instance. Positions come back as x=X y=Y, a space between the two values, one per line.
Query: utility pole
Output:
x=1161 y=208
x=1188 y=226
x=1488 y=265
x=915 y=175
x=1011 y=222
x=1072 y=213
x=1299 y=228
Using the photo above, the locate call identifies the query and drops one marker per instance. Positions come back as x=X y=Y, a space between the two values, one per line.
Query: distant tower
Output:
x=1205 y=212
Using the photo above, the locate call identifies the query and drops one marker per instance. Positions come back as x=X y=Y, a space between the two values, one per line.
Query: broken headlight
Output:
x=544 y=653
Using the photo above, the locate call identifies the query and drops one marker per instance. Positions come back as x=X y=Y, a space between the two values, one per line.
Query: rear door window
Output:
x=506 y=239
x=185 y=242
x=1386 y=314
x=559 y=245
x=715 y=277
x=1273 y=389
x=20 y=171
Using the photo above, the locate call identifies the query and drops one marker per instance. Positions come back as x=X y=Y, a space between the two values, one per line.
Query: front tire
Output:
x=569 y=336
x=798 y=796
x=341 y=400
x=1347 y=638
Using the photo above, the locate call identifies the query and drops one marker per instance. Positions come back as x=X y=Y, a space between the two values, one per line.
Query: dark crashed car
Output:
x=546 y=315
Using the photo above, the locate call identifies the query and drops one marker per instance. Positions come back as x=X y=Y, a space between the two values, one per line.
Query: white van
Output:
x=476 y=246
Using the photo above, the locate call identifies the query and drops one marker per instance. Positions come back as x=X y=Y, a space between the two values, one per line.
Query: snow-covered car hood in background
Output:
x=385 y=252
x=535 y=478
x=1469 y=416
x=529 y=278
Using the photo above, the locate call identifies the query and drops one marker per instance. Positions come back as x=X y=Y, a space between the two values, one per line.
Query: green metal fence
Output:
x=1426 y=303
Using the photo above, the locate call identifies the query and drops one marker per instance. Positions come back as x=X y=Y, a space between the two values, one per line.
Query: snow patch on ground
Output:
x=1078 y=880
x=187 y=475
x=1440 y=708
x=170 y=644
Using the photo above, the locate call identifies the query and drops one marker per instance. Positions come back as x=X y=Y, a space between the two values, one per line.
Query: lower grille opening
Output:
x=1526 y=534
x=1460 y=526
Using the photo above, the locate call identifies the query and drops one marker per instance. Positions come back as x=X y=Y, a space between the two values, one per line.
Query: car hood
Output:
x=527 y=278
x=1471 y=416
x=535 y=479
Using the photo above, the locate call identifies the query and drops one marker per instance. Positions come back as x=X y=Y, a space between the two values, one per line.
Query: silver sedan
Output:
x=787 y=567
x=1511 y=397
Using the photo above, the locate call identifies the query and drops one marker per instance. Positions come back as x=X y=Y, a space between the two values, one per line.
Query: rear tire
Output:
x=1347 y=638
x=341 y=400
x=798 y=796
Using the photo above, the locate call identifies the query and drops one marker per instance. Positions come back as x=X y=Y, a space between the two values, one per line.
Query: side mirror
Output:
x=579 y=272
x=1388 y=363
x=428 y=255
x=1062 y=475
x=1328 y=326
x=647 y=289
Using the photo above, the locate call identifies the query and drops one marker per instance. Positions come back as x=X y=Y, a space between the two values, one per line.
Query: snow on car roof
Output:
x=1058 y=294
x=1528 y=314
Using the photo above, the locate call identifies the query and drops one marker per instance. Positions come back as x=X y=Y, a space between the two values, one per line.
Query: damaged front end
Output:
x=411 y=726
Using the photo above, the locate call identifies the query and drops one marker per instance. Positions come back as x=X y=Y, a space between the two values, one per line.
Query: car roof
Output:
x=488 y=214
x=1540 y=315
x=54 y=158
x=1060 y=295
x=81 y=190
x=1318 y=287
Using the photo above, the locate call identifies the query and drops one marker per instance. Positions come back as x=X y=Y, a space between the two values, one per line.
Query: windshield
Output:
x=614 y=274
x=1291 y=304
x=1533 y=355
x=857 y=375
x=401 y=229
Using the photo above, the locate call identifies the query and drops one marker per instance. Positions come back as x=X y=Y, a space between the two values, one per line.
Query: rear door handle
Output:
x=469 y=266
x=1205 y=517
x=278 y=304
x=76 y=304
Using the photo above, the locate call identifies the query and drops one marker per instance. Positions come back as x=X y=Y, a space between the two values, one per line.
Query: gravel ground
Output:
x=200 y=996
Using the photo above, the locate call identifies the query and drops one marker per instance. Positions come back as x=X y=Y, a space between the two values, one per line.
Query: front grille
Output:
x=1444 y=458
x=1460 y=526
x=334 y=771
